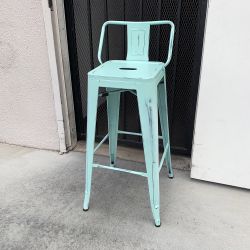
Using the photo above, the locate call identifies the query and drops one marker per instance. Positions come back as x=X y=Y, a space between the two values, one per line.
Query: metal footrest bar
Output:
x=128 y=133
x=119 y=132
x=101 y=142
x=163 y=156
x=133 y=133
x=121 y=170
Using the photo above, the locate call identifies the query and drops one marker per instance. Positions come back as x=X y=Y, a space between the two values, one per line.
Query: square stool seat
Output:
x=124 y=70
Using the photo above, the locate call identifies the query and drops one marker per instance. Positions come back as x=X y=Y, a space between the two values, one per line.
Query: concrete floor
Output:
x=41 y=207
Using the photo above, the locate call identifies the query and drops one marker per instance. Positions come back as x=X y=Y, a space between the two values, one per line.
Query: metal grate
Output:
x=84 y=21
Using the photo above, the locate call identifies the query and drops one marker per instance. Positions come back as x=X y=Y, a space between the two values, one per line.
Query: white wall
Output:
x=27 y=115
x=221 y=150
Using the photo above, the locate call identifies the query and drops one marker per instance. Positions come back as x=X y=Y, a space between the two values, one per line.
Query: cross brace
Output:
x=127 y=170
x=106 y=93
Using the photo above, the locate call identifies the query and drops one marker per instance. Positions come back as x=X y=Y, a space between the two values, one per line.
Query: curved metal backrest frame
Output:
x=138 y=39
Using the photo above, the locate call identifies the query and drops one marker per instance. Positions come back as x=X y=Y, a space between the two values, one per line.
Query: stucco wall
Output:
x=27 y=115
x=222 y=132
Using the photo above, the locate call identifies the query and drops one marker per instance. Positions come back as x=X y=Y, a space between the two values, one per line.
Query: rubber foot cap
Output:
x=85 y=210
x=158 y=225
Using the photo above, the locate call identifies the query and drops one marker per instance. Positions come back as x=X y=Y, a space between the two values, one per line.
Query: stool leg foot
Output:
x=113 y=106
x=147 y=101
x=162 y=104
x=158 y=224
x=91 y=125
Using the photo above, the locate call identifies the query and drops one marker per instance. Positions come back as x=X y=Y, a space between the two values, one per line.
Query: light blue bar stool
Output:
x=145 y=79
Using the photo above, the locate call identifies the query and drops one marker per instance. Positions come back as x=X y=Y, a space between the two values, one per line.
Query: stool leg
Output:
x=147 y=102
x=113 y=106
x=163 y=112
x=91 y=125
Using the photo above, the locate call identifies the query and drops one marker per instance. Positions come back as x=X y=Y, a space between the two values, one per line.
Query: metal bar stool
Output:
x=145 y=79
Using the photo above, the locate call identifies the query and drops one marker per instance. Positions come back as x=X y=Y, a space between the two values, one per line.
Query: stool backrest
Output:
x=138 y=39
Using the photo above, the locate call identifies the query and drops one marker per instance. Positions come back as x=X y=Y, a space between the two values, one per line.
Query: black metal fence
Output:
x=84 y=19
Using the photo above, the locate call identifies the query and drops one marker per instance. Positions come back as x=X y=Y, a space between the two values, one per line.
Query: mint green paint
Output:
x=145 y=79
